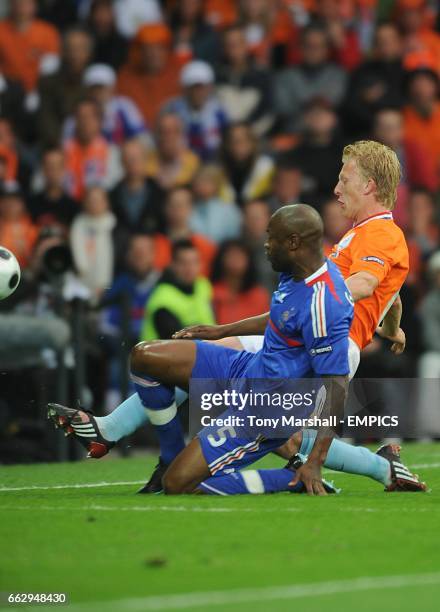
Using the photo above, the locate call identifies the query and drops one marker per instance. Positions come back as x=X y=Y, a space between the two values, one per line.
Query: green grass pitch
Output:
x=362 y=550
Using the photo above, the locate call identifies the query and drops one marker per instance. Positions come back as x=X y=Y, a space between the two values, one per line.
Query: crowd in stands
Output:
x=156 y=137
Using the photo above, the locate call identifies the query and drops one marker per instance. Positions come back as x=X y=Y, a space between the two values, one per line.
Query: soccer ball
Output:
x=9 y=273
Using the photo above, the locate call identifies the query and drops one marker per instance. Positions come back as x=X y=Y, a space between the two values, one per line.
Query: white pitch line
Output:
x=87 y=485
x=99 y=508
x=208 y=509
x=92 y=485
x=208 y=599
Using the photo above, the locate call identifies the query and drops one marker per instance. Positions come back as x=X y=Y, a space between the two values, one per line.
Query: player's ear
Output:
x=294 y=241
x=370 y=187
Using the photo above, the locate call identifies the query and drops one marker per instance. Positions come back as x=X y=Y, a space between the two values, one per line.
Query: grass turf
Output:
x=107 y=544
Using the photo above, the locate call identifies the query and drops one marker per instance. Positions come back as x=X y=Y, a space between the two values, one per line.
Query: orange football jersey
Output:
x=376 y=245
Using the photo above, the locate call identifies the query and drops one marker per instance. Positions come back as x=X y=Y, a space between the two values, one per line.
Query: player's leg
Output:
x=156 y=367
x=384 y=466
x=199 y=468
x=125 y=419
x=186 y=471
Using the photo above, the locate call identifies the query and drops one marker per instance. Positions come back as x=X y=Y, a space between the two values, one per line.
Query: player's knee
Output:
x=291 y=446
x=173 y=483
x=143 y=355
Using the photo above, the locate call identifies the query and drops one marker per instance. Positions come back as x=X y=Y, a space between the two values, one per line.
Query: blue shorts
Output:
x=216 y=361
x=224 y=452
x=223 y=448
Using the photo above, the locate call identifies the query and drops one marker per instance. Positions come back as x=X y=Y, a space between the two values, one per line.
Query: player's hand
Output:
x=398 y=340
x=200 y=332
x=310 y=475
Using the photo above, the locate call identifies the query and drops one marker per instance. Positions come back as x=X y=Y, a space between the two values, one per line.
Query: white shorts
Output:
x=253 y=344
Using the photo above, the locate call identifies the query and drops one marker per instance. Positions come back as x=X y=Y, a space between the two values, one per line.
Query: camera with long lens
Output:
x=57 y=260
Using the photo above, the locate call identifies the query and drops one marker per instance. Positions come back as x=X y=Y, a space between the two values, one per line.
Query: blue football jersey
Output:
x=308 y=330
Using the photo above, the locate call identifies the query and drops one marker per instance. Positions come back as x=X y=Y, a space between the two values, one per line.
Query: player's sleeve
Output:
x=374 y=253
x=325 y=333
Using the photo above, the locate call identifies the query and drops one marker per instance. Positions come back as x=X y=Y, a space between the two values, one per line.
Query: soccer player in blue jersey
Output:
x=307 y=335
x=310 y=336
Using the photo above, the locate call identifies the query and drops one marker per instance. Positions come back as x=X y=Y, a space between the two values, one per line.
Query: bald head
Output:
x=295 y=238
x=300 y=219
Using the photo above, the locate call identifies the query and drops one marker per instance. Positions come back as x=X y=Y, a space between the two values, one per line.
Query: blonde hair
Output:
x=378 y=162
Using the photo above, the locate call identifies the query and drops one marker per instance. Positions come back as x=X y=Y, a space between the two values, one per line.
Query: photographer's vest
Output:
x=190 y=309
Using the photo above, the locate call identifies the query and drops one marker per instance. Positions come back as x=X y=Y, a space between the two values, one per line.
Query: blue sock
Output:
x=124 y=419
x=250 y=481
x=128 y=417
x=344 y=457
x=161 y=409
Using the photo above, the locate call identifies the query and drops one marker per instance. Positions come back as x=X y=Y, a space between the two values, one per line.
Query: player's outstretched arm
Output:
x=362 y=285
x=253 y=326
x=390 y=328
x=336 y=389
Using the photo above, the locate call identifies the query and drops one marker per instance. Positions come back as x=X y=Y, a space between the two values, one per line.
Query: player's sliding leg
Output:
x=156 y=367
x=384 y=466
x=190 y=473
x=102 y=433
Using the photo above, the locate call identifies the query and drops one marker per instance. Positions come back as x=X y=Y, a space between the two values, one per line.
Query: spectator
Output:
x=422 y=113
x=256 y=215
x=130 y=15
x=335 y=225
x=171 y=163
x=202 y=114
x=286 y=185
x=109 y=46
x=60 y=92
x=319 y=152
x=421 y=44
x=137 y=201
x=121 y=117
x=193 y=36
x=378 y=82
x=127 y=297
x=61 y=13
x=31 y=333
x=314 y=77
x=242 y=88
x=212 y=217
x=13 y=107
x=418 y=168
x=52 y=205
x=423 y=227
x=178 y=212
x=90 y=160
x=151 y=74
x=237 y=295
x=136 y=283
x=181 y=298
x=17 y=232
x=14 y=156
x=91 y=241
x=221 y=13
x=269 y=28
x=341 y=31
x=24 y=41
x=249 y=173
